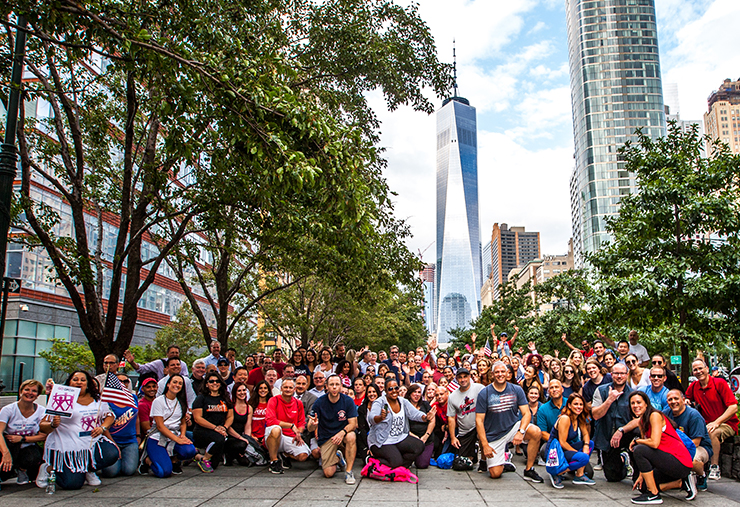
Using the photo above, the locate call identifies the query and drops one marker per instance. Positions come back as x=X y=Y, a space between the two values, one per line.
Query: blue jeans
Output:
x=578 y=459
x=128 y=463
x=105 y=454
x=161 y=462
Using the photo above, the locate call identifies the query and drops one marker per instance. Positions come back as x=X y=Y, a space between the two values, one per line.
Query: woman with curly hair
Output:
x=77 y=446
x=572 y=431
x=571 y=380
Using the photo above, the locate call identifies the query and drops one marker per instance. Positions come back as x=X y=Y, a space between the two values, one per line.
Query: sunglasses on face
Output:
x=656 y=376
x=630 y=362
x=212 y=381
x=395 y=388
x=657 y=363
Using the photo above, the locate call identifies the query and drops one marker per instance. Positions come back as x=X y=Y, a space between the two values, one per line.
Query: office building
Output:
x=615 y=89
x=458 y=272
x=427 y=284
x=510 y=248
x=722 y=119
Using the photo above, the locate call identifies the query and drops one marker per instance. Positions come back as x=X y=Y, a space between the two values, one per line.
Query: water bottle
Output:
x=51 y=483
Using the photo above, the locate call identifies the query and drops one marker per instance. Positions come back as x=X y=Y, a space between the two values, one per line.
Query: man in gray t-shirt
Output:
x=461 y=415
x=502 y=416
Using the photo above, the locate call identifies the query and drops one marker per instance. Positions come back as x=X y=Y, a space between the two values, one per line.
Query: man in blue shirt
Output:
x=656 y=391
x=335 y=421
x=549 y=412
x=690 y=421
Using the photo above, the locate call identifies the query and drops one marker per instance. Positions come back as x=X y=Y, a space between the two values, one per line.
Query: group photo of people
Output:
x=608 y=410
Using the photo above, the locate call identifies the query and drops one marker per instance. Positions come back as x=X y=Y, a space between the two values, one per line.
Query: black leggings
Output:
x=24 y=458
x=665 y=467
x=401 y=454
x=212 y=441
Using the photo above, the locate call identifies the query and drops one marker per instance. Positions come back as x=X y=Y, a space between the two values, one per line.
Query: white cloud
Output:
x=536 y=28
x=705 y=55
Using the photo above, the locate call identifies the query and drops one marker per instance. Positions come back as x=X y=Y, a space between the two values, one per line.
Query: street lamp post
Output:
x=9 y=153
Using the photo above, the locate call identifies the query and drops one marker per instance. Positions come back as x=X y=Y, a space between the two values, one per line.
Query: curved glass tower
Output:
x=458 y=273
x=615 y=88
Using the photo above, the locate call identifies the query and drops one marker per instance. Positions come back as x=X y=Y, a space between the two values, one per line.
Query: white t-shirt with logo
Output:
x=16 y=424
x=397 y=426
x=170 y=411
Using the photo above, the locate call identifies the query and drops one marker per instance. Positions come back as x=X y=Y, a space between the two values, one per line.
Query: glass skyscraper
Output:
x=458 y=273
x=615 y=88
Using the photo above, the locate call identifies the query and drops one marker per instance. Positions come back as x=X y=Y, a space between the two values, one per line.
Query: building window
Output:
x=22 y=343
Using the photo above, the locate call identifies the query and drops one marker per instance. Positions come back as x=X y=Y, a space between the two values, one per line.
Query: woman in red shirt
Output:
x=660 y=455
x=258 y=402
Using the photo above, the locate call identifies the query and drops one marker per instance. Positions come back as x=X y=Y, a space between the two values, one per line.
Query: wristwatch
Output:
x=522 y=431
x=23 y=439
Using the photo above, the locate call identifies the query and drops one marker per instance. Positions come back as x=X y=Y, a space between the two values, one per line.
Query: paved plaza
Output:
x=305 y=486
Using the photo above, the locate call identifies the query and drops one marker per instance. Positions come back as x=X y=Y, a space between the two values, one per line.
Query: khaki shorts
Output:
x=701 y=455
x=725 y=432
x=329 y=456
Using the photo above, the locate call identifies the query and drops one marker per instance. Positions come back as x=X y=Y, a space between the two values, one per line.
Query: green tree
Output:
x=514 y=307
x=65 y=357
x=673 y=265
x=313 y=311
x=571 y=296
x=196 y=106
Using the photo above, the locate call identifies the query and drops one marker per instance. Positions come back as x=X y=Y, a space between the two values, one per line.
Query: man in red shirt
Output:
x=277 y=361
x=257 y=375
x=714 y=400
x=285 y=421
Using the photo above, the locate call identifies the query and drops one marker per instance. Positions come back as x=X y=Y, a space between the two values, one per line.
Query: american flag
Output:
x=113 y=391
x=487 y=349
x=453 y=386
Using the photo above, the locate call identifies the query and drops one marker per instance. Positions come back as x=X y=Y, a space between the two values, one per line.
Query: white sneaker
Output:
x=22 y=478
x=91 y=479
x=714 y=473
x=349 y=478
x=43 y=476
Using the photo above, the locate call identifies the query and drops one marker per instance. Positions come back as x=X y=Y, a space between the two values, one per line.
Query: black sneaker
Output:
x=648 y=499
x=286 y=462
x=509 y=467
x=483 y=465
x=531 y=475
x=689 y=485
x=143 y=468
x=275 y=467
x=176 y=468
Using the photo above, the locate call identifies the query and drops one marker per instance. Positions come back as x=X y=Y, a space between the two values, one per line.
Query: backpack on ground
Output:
x=255 y=454
x=377 y=470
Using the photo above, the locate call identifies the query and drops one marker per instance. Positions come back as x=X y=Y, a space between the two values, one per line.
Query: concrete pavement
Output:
x=305 y=486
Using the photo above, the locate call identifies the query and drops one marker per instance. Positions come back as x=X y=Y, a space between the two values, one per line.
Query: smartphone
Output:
x=387 y=408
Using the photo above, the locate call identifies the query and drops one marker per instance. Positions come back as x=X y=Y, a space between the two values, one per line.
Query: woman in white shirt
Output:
x=638 y=376
x=166 y=442
x=19 y=432
x=76 y=446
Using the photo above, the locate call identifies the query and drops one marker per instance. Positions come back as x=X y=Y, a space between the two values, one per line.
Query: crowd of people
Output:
x=402 y=408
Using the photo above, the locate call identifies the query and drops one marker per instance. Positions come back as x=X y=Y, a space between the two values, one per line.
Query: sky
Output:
x=512 y=65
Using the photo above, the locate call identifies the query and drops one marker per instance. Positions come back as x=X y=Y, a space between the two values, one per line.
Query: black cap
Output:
x=222 y=361
x=462 y=371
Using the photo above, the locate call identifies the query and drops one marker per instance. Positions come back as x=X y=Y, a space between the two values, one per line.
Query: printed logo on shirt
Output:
x=122 y=421
x=498 y=403
x=341 y=415
x=467 y=406
x=221 y=407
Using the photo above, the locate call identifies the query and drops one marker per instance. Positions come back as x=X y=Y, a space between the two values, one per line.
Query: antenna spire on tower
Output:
x=454 y=69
